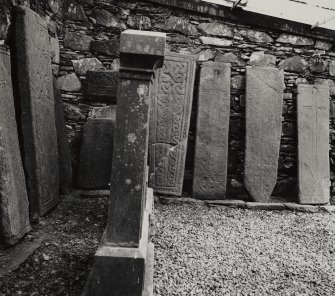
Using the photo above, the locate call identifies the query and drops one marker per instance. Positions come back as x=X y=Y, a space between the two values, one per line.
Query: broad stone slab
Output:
x=264 y=99
x=96 y=154
x=211 y=146
x=101 y=86
x=37 y=107
x=14 y=207
x=171 y=103
x=313 y=144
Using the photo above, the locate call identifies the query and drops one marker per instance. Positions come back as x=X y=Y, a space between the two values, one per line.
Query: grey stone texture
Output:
x=171 y=103
x=264 y=100
x=178 y=24
x=313 y=144
x=88 y=64
x=14 y=206
x=229 y=58
x=215 y=41
x=77 y=41
x=37 y=106
x=216 y=29
x=294 y=64
x=106 y=47
x=294 y=40
x=259 y=58
x=69 y=82
x=211 y=146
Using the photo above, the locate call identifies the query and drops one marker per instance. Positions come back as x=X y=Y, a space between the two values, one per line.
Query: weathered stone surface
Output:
x=215 y=41
x=75 y=12
x=139 y=22
x=323 y=45
x=313 y=144
x=229 y=58
x=83 y=65
x=205 y=55
x=178 y=24
x=4 y=21
x=254 y=36
x=55 y=50
x=107 y=19
x=37 y=111
x=171 y=101
x=14 y=207
x=332 y=68
x=69 y=82
x=259 y=58
x=106 y=47
x=101 y=86
x=54 y=5
x=327 y=82
x=238 y=82
x=216 y=29
x=294 y=64
x=294 y=40
x=64 y=154
x=264 y=99
x=77 y=41
x=95 y=166
x=104 y=112
x=317 y=65
x=211 y=146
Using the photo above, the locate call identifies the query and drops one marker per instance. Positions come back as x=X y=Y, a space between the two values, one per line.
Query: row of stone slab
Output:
x=29 y=186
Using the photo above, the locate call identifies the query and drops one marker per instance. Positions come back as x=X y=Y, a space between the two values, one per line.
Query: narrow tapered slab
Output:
x=313 y=144
x=211 y=146
x=264 y=99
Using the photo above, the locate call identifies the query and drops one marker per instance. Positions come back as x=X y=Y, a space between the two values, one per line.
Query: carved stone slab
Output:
x=171 y=103
x=96 y=154
x=37 y=107
x=14 y=207
x=101 y=86
x=313 y=144
x=264 y=99
x=211 y=145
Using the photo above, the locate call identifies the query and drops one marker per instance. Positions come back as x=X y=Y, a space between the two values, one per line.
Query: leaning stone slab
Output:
x=313 y=144
x=211 y=145
x=264 y=99
x=171 y=103
x=14 y=207
x=95 y=166
x=37 y=108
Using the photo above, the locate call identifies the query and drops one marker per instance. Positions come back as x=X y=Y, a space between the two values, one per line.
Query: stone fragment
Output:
x=215 y=41
x=89 y=64
x=177 y=24
x=14 y=207
x=171 y=104
x=259 y=58
x=205 y=55
x=313 y=144
x=216 y=29
x=317 y=65
x=211 y=145
x=327 y=82
x=238 y=82
x=295 y=40
x=254 y=36
x=55 y=50
x=229 y=58
x=64 y=154
x=75 y=12
x=37 y=106
x=323 y=45
x=107 y=19
x=139 y=22
x=69 y=82
x=54 y=5
x=77 y=41
x=104 y=112
x=101 y=86
x=95 y=166
x=106 y=47
x=294 y=64
x=73 y=113
x=264 y=99
x=332 y=68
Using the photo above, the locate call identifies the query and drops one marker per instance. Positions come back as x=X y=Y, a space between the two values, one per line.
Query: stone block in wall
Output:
x=332 y=68
x=103 y=112
x=139 y=22
x=4 y=22
x=254 y=36
x=323 y=45
x=259 y=58
x=216 y=29
x=229 y=58
x=327 y=82
x=317 y=65
x=177 y=24
x=55 y=50
x=332 y=109
x=294 y=64
x=77 y=41
x=88 y=64
x=238 y=82
x=69 y=82
x=106 y=47
x=295 y=40
x=54 y=5
x=101 y=86
x=206 y=55
x=107 y=19
x=215 y=41
x=75 y=12
x=37 y=111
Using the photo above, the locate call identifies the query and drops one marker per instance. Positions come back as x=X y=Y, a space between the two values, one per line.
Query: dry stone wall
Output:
x=88 y=34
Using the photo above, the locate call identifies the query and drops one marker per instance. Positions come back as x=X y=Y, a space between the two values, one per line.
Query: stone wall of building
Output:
x=85 y=36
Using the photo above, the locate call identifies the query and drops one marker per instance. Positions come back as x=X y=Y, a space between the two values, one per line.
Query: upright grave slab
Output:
x=313 y=144
x=171 y=99
x=121 y=260
x=37 y=107
x=14 y=207
x=264 y=99
x=211 y=145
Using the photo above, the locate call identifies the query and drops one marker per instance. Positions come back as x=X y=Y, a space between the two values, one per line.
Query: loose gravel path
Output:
x=224 y=251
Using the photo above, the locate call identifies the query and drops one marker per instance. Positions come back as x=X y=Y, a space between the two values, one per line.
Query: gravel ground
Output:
x=223 y=251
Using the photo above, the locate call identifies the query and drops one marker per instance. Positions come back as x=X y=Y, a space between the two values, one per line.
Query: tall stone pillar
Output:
x=120 y=261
